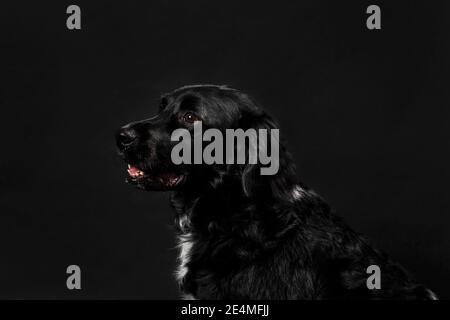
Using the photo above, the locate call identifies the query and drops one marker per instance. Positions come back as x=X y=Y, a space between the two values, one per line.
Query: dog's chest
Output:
x=185 y=245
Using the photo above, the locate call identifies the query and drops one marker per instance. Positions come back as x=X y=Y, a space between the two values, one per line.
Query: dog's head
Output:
x=146 y=145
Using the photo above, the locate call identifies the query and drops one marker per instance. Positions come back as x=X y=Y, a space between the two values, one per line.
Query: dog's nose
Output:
x=126 y=136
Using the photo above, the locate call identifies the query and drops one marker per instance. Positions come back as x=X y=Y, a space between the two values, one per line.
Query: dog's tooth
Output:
x=129 y=166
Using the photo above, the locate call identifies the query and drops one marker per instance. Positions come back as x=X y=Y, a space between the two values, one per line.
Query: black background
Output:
x=366 y=115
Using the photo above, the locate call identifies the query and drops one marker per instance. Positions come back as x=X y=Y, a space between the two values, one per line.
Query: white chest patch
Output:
x=297 y=193
x=432 y=295
x=185 y=244
x=183 y=222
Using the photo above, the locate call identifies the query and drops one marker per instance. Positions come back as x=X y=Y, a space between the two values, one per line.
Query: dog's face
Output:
x=146 y=145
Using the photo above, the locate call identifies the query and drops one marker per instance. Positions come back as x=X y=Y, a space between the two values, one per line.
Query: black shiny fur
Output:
x=253 y=236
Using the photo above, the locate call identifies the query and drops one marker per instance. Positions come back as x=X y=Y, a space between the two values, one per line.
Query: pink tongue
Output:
x=133 y=171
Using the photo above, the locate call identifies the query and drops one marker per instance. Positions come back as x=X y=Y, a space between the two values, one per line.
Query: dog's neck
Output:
x=203 y=205
x=200 y=209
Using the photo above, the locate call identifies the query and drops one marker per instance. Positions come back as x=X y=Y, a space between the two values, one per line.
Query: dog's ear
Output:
x=254 y=183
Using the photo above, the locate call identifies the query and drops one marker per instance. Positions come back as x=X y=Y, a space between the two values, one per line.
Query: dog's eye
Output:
x=189 y=117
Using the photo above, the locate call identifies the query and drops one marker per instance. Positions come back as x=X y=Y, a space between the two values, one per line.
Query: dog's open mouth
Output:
x=165 y=180
x=134 y=172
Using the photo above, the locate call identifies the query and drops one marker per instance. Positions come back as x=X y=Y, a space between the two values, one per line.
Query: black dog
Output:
x=249 y=236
